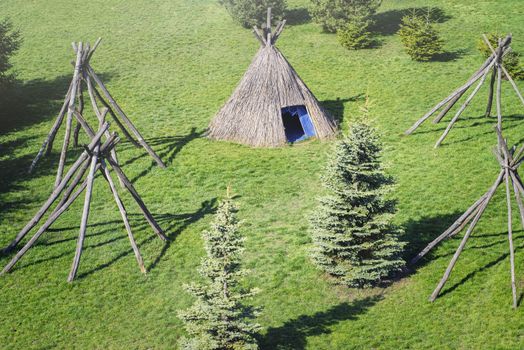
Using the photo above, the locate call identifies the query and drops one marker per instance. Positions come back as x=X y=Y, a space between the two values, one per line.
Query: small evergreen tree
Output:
x=353 y=236
x=419 y=37
x=511 y=60
x=254 y=12
x=218 y=319
x=356 y=34
x=333 y=15
x=9 y=44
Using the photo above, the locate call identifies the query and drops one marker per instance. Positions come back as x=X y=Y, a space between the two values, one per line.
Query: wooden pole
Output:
x=123 y=213
x=56 y=214
x=510 y=236
x=454 y=228
x=268 y=26
x=453 y=261
x=460 y=90
x=56 y=192
x=131 y=126
x=446 y=109
x=80 y=96
x=499 y=105
x=147 y=214
x=462 y=108
x=69 y=116
x=47 y=145
x=85 y=214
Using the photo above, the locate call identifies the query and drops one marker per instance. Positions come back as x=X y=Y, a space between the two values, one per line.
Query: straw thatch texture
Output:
x=252 y=115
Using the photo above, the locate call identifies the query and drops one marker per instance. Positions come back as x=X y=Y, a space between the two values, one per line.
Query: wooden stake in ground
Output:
x=97 y=156
x=82 y=80
x=492 y=64
x=509 y=161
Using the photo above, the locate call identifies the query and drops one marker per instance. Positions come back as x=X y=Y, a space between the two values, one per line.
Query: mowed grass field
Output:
x=171 y=65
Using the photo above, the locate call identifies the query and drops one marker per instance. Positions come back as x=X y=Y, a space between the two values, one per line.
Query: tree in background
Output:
x=353 y=235
x=511 y=60
x=253 y=12
x=218 y=319
x=350 y=19
x=419 y=36
x=356 y=34
x=9 y=43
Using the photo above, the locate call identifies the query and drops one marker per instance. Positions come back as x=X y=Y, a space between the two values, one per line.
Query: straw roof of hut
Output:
x=253 y=114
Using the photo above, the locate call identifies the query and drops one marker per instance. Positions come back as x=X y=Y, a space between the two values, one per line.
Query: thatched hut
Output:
x=271 y=105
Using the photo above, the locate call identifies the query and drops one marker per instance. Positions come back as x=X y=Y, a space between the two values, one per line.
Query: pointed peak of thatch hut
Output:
x=271 y=105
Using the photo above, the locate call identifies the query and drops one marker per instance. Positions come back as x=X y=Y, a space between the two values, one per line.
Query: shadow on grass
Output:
x=293 y=333
x=448 y=56
x=172 y=224
x=34 y=101
x=336 y=107
x=419 y=233
x=166 y=147
x=388 y=22
x=297 y=16
x=473 y=124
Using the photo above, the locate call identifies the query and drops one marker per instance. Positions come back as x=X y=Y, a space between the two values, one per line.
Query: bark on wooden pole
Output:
x=56 y=192
x=477 y=217
x=85 y=214
x=52 y=218
x=461 y=109
x=69 y=119
x=131 y=126
x=123 y=213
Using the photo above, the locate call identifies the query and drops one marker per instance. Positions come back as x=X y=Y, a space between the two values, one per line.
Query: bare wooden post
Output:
x=47 y=145
x=80 y=95
x=453 y=261
x=113 y=103
x=123 y=213
x=461 y=109
x=499 y=106
x=453 y=229
x=85 y=214
x=510 y=237
x=56 y=192
x=69 y=115
x=268 y=26
x=56 y=214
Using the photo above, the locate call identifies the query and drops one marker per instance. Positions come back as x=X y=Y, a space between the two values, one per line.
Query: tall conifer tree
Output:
x=352 y=231
x=218 y=319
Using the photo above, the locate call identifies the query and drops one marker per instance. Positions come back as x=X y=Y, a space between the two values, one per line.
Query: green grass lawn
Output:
x=171 y=65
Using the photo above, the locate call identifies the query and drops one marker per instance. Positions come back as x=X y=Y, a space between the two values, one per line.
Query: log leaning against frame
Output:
x=85 y=79
x=492 y=64
x=509 y=160
x=97 y=156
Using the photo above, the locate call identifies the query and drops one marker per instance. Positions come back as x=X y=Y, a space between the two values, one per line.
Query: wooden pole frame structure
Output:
x=85 y=79
x=492 y=64
x=97 y=156
x=509 y=160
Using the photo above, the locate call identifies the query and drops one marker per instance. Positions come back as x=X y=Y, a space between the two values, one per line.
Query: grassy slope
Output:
x=171 y=64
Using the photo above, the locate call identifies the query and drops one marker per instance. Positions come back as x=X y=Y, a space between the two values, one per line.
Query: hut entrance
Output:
x=297 y=123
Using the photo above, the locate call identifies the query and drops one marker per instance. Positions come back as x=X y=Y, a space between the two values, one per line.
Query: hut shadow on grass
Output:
x=336 y=107
x=166 y=147
x=293 y=333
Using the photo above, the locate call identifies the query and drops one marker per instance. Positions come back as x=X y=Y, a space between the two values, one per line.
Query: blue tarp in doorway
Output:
x=297 y=123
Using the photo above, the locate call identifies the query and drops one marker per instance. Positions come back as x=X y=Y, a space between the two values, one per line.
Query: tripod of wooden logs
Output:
x=509 y=160
x=97 y=156
x=494 y=65
x=85 y=79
